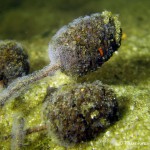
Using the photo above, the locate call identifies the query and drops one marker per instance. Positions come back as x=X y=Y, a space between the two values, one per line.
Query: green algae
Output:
x=127 y=72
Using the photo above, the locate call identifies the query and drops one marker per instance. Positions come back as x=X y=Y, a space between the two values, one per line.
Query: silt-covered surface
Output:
x=33 y=23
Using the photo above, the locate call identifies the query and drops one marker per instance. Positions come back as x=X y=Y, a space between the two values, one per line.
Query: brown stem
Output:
x=36 y=129
x=29 y=131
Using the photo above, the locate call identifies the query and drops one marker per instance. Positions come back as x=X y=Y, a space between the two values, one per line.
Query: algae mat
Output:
x=127 y=72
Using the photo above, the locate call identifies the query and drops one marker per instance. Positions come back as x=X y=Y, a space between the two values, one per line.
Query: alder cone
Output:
x=79 y=112
x=86 y=43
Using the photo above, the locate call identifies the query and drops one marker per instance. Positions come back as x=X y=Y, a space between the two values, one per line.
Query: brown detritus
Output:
x=1 y=84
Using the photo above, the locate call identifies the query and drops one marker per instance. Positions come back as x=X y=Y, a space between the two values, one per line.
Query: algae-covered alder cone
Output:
x=13 y=61
x=79 y=112
x=78 y=48
x=86 y=43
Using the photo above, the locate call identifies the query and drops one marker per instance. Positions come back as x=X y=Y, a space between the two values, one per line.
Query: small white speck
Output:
x=114 y=142
x=116 y=52
x=131 y=107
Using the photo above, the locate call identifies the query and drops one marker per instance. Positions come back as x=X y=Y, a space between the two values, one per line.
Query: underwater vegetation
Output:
x=75 y=112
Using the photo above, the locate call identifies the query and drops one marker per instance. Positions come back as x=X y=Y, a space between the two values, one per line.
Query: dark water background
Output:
x=23 y=19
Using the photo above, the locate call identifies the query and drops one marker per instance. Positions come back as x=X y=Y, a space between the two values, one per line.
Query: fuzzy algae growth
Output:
x=13 y=60
x=78 y=48
x=127 y=73
x=78 y=112
x=30 y=110
x=86 y=43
